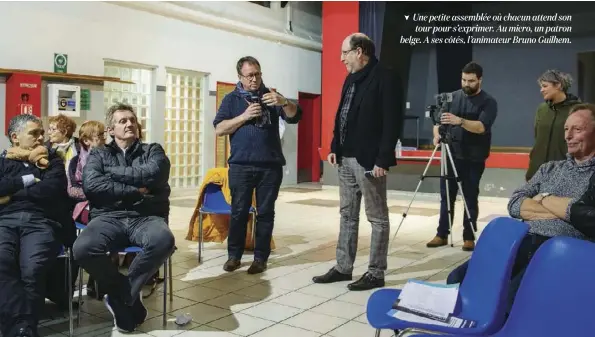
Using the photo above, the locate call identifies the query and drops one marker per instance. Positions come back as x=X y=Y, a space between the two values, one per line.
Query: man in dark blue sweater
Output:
x=250 y=116
x=32 y=189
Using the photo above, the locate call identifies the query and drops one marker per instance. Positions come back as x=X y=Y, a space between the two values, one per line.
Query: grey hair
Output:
x=109 y=116
x=556 y=76
x=584 y=106
x=18 y=123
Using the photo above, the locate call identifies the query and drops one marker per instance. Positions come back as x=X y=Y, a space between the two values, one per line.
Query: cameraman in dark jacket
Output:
x=126 y=183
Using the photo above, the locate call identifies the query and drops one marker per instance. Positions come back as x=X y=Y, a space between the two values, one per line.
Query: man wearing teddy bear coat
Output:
x=32 y=191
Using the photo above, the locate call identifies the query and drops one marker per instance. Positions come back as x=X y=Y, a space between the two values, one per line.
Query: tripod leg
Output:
x=423 y=175
x=444 y=176
x=456 y=174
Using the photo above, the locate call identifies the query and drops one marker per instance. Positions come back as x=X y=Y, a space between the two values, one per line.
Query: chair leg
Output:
x=254 y=231
x=378 y=332
x=70 y=299
x=80 y=297
x=171 y=281
x=200 y=238
x=165 y=276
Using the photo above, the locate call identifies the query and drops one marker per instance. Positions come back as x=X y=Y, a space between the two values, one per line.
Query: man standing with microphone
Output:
x=250 y=116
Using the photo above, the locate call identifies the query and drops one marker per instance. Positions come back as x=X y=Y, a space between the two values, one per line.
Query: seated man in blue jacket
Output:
x=32 y=188
x=250 y=116
x=126 y=183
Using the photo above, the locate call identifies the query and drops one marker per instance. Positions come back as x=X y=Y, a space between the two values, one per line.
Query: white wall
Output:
x=305 y=16
x=90 y=32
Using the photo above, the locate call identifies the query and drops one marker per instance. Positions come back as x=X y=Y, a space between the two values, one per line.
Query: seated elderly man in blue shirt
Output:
x=250 y=116
x=546 y=200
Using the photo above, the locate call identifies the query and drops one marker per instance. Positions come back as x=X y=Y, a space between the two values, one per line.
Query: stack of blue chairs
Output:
x=483 y=296
x=555 y=297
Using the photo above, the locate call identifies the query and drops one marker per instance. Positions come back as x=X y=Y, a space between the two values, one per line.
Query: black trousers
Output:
x=114 y=232
x=28 y=247
x=243 y=181
x=470 y=173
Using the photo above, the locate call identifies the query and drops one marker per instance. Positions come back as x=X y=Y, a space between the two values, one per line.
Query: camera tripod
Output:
x=445 y=158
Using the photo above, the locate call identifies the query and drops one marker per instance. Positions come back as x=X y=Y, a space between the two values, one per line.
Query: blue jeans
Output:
x=243 y=181
x=113 y=232
x=470 y=174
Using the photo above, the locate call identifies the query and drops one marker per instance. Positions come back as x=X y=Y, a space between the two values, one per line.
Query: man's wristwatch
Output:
x=543 y=196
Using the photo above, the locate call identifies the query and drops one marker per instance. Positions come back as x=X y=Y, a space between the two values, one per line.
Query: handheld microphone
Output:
x=254 y=98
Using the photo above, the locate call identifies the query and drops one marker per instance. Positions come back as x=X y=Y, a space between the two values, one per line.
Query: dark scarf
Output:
x=361 y=75
x=249 y=96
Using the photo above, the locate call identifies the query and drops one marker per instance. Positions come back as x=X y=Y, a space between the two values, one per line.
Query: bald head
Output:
x=356 y=51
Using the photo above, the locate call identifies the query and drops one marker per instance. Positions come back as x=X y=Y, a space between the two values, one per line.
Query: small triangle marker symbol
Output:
x=406 y=17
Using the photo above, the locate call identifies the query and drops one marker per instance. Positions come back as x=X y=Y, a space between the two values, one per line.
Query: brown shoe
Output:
x=257 y=267
x=468 y=245
x=232 y=265
x=437 y=242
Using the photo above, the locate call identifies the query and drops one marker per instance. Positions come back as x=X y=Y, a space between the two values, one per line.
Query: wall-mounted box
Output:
x=64 y=99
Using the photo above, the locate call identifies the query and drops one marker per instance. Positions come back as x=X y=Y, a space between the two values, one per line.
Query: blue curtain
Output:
x=371 y=21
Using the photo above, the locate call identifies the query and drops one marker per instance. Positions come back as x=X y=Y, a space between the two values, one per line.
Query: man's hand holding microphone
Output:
x=254 y=110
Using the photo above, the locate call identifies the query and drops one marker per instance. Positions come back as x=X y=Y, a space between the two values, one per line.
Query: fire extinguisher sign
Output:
x=26 y=109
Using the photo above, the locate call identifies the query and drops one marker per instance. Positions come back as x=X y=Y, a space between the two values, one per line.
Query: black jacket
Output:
x=111 y=180
x=47 y=198
x=375 y=119
x=582 y=212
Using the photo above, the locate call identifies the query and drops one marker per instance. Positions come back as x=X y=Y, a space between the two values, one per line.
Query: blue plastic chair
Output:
x=556 y=295
x=483 y=296
x=214 y=203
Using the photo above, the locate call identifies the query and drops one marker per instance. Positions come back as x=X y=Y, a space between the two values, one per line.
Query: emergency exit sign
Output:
x=60 y=63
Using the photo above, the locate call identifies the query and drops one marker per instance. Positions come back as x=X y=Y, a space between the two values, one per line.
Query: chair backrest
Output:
x=214 y=198
x=556 y=296
x=484 y=292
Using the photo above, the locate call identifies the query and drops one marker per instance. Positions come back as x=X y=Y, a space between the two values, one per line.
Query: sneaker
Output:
x=123 y=320
x=139 y=312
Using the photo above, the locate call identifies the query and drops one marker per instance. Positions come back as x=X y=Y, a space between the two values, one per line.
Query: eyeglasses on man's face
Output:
x=253 y=76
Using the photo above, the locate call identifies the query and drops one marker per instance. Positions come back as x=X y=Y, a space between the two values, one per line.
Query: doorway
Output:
x=586 y=76
x=308 y=159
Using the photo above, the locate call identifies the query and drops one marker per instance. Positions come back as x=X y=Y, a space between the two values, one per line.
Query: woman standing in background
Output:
x=551 y=115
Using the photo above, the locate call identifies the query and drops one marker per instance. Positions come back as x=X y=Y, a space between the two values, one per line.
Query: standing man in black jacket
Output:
x=367 y=126
x=126 y=183
x=31 y=188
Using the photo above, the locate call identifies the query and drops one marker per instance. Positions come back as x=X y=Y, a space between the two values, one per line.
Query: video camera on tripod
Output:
x=436 y=110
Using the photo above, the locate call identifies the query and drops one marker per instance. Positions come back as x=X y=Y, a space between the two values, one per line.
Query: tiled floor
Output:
x=283 y=301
